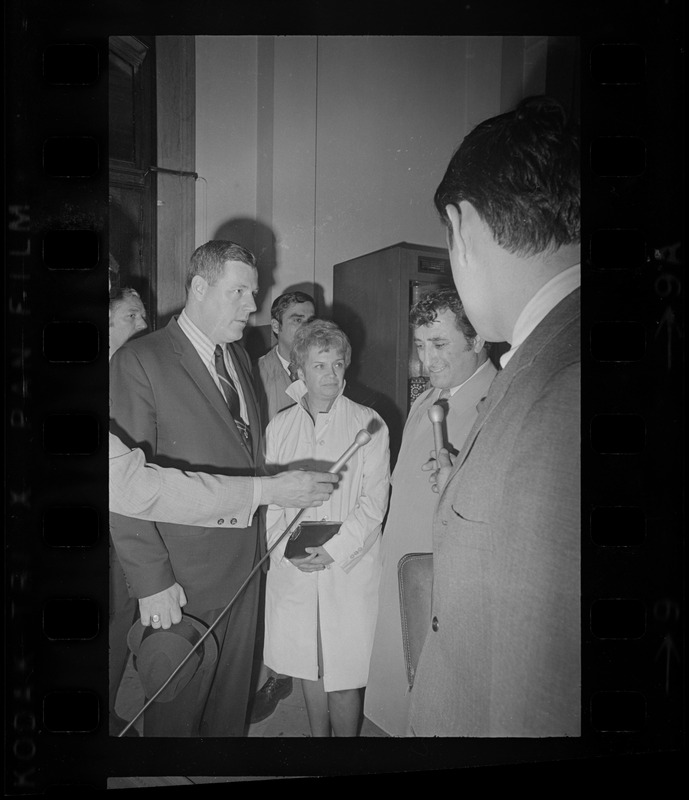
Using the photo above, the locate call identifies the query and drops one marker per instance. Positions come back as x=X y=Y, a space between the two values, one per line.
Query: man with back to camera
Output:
x=456 y=359
x=184 y=395
x=288 y=313
x=502 y=654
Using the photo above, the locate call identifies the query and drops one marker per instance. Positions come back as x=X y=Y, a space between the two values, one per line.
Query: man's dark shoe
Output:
x=268 y=697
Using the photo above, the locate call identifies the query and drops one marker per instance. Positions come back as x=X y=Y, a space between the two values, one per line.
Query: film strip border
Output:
x=633 y=419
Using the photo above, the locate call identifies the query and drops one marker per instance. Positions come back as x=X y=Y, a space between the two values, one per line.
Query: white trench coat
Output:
x=345 y=595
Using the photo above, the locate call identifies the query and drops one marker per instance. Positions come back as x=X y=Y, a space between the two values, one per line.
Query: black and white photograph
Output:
x=392 y=350
x=324 y=181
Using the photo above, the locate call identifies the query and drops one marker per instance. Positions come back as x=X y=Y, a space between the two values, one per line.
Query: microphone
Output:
x=362 y=438
x=436 y=414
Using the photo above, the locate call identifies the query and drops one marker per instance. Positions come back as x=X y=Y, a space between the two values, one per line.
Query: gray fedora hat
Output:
x=158 y=652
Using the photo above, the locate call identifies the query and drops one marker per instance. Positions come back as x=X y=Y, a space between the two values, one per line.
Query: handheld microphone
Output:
x=436 y=414
x=362 y=438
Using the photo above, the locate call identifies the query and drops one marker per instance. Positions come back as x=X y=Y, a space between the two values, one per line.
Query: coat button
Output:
x=434 y=624
x=233 y=521
x=221 y=521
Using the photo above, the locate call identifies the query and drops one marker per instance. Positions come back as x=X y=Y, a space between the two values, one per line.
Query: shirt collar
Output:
x=202 y=344
x=297 y=389
x=284 y=363
x=540 y=305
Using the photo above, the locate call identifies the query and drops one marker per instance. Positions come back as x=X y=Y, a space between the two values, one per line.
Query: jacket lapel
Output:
x=560 y=316
x=496 y=392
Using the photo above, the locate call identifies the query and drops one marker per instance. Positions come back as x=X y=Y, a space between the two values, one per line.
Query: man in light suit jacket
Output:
x=460 y=373
x=185 y=396
x=502 y=655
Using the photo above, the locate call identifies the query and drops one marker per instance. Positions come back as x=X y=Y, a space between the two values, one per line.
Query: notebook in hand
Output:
x=310 y=534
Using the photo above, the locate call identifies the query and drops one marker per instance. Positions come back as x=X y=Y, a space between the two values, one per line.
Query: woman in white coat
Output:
x=321 y=610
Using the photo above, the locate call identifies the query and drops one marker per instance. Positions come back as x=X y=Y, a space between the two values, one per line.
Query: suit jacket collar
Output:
x=273 y=365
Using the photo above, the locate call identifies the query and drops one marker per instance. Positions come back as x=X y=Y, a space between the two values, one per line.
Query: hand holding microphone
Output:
x=436 y=414
x=441 y=465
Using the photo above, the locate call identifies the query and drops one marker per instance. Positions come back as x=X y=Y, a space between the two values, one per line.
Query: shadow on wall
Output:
x=259 y=238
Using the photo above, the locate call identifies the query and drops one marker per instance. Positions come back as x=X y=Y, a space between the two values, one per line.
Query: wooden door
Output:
x=132 y=184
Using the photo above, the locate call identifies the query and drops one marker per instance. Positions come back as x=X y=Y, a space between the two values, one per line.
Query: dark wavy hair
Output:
x=426 y=310
x=324 y=335
x=282 y=303
x=209 y=259
x=520 y=171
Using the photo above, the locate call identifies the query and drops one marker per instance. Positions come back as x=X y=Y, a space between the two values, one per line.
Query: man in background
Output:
x=456 y=359
x=127 y=317
x=274 y=375
x=502 y=656
x=287 y=314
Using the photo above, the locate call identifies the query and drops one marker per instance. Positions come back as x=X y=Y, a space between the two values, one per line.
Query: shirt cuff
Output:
x=258 y=496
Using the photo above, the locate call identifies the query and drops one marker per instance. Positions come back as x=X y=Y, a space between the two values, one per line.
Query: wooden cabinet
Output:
x=372 y=295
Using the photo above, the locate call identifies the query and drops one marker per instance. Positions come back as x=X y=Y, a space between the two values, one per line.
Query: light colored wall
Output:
x=334 y=145
x=390 y=112
x=226 y=100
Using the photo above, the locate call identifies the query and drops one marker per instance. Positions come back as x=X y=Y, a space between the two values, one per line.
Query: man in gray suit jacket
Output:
x=185 y=396
x=288 y=313
x=502 y=654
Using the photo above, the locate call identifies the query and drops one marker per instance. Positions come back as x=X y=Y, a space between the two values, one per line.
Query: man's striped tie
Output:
x=229 y=391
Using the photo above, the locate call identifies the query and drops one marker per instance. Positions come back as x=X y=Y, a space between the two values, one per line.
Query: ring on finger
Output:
x=155 y=618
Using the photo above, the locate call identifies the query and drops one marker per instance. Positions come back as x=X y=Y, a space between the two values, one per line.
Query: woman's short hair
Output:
x=322 y=334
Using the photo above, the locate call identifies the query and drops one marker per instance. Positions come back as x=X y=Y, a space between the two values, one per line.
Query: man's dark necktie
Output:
x=229 y=391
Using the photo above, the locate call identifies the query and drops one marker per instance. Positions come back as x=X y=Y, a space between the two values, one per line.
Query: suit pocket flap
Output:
x=473 y=533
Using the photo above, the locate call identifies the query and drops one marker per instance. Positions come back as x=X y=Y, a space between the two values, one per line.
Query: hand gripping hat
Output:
x=158 y=652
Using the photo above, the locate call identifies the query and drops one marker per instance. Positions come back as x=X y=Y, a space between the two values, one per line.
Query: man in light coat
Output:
x=456 y=359
x=502 y=654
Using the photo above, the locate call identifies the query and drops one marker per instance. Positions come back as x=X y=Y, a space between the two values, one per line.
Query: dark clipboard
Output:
x=310 y=534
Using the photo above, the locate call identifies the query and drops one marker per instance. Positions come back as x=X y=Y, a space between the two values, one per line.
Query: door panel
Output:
x=131 y=149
